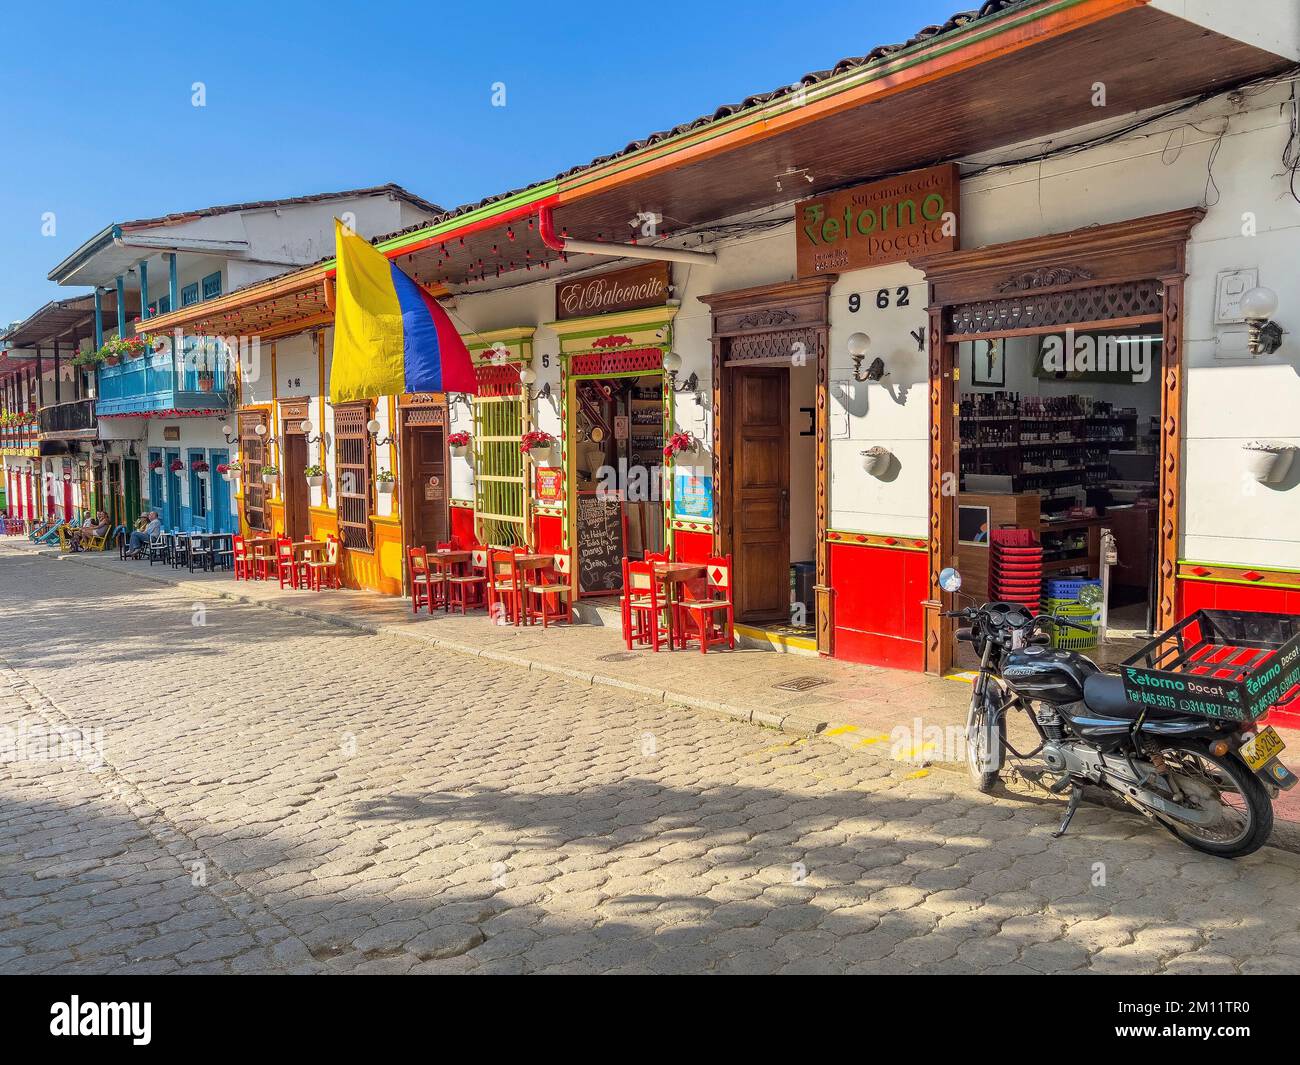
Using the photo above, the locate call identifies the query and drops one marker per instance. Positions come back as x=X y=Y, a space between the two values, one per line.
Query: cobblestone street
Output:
x=277 y=794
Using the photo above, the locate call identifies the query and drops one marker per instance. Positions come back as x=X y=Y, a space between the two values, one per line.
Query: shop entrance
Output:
x=759 y=418
x=617 y=429
x=426 y=465
x=1089 y=325
x=294 y=483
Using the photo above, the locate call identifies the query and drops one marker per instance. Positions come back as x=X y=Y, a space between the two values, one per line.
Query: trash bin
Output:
x=803 y=576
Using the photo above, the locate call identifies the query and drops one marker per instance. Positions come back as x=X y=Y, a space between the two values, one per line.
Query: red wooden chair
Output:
x=471 y=584
x=263 y=560
x=325 y=572
x=703 y=610
x=555 y=584
x=505 y=590
x=422 y=580
x=643 y=607
x=243 y=563
x=287 y=566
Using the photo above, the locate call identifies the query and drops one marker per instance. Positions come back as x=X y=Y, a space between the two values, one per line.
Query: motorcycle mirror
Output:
x=950 y=580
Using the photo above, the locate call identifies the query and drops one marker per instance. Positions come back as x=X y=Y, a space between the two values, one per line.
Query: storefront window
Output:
x=353 y=471
x=499 y=466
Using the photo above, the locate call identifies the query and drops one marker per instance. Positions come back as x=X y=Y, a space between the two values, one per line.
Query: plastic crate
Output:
x=1064 y=639
x=1068 y=587
x=1071 y=608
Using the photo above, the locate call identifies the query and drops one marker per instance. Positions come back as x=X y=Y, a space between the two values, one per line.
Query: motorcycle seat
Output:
x=1103 y=693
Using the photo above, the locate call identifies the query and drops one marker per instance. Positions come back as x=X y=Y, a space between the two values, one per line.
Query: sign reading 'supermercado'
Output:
x=881 y=222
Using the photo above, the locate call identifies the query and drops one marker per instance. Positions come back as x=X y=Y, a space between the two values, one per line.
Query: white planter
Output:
x=270 y=478
x=542 y=455
x=201 y=475
x=1268 y=462
x=385 y=487
x=460 y=450
x=316 y=482
x=875 y=460
x=228 y=476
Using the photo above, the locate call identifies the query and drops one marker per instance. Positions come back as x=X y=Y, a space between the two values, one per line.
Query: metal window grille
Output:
x=353 y=474
x=499 y=489
x=251 y=453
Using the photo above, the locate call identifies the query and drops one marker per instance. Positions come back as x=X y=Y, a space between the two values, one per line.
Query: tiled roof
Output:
x=883 y=52
x=318 y=197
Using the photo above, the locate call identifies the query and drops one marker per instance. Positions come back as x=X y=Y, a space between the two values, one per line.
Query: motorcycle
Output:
x=1208 y=781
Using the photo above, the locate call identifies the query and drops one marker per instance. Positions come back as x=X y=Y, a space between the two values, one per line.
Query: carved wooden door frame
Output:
x=758 y=326
x=1122 y=273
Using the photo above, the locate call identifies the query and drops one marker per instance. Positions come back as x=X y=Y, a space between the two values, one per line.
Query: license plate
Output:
x=1266 y=746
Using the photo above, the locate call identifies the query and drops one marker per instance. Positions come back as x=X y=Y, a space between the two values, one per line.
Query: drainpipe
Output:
x=546 y=230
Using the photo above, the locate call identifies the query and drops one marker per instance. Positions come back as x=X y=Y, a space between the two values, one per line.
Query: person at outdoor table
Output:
x=141 y=537
x=91 y=528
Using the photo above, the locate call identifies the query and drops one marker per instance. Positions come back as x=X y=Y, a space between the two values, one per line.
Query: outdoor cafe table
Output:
x=253 y=544
x=447 y=561
x=674 y=575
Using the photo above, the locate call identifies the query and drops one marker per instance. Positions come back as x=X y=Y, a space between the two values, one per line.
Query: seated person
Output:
x=141 y=537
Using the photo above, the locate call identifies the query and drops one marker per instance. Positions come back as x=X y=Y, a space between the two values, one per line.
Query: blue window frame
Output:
x=190 y=294
x=198 y=490
x=161 y=305
x=212 y=286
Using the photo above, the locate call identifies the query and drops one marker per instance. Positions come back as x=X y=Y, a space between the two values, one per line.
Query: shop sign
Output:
x=550 y=484
x=692 y=496
x=881 y=222
x=623 y=290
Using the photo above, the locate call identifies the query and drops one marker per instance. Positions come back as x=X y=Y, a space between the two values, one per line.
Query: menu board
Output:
x=600 y=544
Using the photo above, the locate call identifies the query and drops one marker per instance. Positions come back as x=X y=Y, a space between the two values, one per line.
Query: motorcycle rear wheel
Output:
x=1248 y=817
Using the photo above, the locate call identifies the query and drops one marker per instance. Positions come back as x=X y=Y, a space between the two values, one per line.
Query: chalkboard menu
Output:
x=600 y=544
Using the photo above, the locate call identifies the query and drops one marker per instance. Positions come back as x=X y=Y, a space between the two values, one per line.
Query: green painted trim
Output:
x=1230 y=565
x=509 y=203
x=1244 y=584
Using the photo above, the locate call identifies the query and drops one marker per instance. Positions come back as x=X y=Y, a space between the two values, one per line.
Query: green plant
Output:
x=314 y=471
x=270 y=470
x=385 y=477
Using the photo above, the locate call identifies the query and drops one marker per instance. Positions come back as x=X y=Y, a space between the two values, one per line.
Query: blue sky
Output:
x=98 y=127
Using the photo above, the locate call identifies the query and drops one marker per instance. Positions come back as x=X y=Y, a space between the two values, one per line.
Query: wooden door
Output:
x=116 y=506
x=293 y=483
x=760 y=491
x=428 y=487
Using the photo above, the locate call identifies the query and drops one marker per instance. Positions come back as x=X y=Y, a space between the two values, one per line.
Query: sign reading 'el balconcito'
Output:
x=622 y=290
x=881 y=222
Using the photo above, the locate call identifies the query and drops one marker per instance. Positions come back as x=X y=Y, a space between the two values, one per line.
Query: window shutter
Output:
x=499 y=511
x=251 y=453
x=353 y=473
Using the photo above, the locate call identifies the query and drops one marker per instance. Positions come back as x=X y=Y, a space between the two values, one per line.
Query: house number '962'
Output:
x=900 y=297
x=293 y=382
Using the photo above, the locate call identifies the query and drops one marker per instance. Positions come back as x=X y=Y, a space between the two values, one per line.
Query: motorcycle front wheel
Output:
x=976 y=734
x=1224 y=785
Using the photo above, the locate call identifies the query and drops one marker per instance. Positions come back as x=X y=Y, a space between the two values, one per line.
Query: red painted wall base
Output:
x=878 y=592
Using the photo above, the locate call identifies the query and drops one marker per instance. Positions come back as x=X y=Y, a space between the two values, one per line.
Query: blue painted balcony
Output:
x=161 y=385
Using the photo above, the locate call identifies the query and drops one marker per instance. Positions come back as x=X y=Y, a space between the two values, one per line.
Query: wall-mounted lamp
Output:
x=305 y=426
x=373 y=427
x=1263 y=336
x=454 y=399
x=672 y=367
x=229 y=434
x=859 y=347
x=267 y=437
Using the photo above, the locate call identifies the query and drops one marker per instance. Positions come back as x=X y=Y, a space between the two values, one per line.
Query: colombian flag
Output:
x=390 y=336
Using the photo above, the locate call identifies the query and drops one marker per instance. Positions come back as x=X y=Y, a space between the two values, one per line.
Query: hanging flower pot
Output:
x=875 y=460
x=385 y=481
x=1268 y=460
x=270 y=474
x=681 y=443
x=459 y=443
x=201 y=468
x=537 y=444
x=315 y=476
x=229 y=471
x=111 y=360
x=177 y=466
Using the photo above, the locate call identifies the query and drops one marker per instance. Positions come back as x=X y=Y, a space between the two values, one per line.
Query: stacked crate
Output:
x=1077 y=599
x=1015 y=567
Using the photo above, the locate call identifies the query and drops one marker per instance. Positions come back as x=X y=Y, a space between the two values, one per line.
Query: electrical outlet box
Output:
x=1230 y=287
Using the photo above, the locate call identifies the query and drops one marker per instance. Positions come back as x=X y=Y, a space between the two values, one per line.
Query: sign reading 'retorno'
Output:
x=622 y=290
x=881 y=222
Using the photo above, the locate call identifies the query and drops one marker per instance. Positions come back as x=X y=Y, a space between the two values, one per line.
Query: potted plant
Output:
x=458 y=442
x=1268 y=460
x=678 y=442
x=270 y=473
x=537 y=443
x=177 y=466
x=156 y=464
x=315 y=476
x=228 y=470
x=201 y=468
x=205 y=380
x=385 y=481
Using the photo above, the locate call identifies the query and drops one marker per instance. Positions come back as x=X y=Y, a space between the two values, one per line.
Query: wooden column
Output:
x=1171 y=451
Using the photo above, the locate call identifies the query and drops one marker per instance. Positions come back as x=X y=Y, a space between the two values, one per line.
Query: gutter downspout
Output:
x=546 y=230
